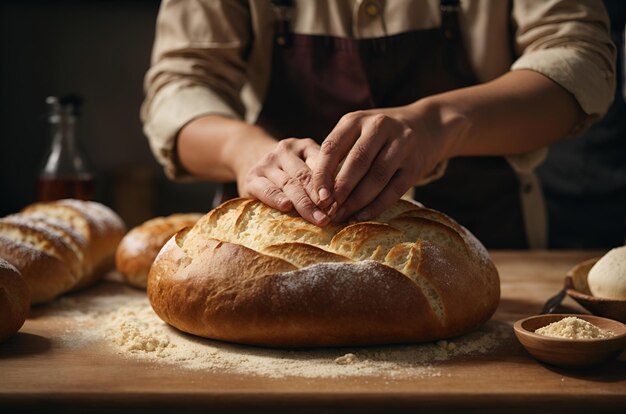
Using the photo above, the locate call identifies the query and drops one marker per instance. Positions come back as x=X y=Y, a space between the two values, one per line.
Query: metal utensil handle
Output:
x=553 y=303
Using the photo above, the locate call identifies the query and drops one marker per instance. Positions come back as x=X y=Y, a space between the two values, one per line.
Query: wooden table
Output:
x=38 y=373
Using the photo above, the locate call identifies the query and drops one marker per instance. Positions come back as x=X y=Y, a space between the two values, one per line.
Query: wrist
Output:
x=247 y=145
x=446 y=126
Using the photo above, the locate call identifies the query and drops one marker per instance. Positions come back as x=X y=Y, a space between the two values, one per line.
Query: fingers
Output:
x=395 y=189
x=293 y=179
x=282 y=179
x=263 y=189
x=333 y=150
x=374 y=182
x=361 y=160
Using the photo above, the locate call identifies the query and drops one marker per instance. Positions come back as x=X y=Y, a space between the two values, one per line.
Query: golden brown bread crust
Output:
x=46 y=275
x=243 y=274
x=45 y=237
x=100 y=226
x=61 y=245
x=140 y=246
x=14 y=300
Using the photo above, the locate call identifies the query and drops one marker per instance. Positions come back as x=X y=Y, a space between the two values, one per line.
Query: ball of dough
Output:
x=607 y=278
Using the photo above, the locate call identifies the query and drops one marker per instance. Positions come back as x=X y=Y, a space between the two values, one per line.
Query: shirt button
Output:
x=372 y=9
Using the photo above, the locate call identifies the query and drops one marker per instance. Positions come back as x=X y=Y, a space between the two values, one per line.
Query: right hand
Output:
x=282 y=179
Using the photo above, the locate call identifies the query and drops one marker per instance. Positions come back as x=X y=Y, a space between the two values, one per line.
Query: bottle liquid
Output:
x=65 y=173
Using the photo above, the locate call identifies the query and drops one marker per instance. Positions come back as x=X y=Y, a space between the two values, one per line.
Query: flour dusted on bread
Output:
x=251 y=274
x=60 y=246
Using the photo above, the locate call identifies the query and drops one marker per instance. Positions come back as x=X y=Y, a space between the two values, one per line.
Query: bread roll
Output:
x=250 y=274
x=607 y=278
x=14 y=300
x=140 y=246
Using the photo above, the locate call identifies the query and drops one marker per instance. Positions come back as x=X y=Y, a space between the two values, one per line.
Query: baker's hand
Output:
x=383 y=155
x=283 y=179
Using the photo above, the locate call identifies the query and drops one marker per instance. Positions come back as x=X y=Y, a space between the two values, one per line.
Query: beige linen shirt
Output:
x=213 y=57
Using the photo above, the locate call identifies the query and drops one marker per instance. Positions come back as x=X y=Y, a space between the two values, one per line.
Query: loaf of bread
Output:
x=100 y=226
x=61 y=245
x=14 y=300
x=140 y=246
x=250 y=274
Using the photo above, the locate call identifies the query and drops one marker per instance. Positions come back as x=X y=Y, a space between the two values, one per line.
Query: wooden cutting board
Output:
x=40 y=369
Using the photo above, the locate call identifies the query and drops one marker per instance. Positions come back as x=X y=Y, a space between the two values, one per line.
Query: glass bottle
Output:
x=65 y=173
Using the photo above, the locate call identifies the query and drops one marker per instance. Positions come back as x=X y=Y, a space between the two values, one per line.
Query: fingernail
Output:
x=363 y=216
x=332 y=210
x=323 y=193
x=319 y=216
x=283 y=203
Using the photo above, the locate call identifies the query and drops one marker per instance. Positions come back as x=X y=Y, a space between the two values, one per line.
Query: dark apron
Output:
x=315 y=80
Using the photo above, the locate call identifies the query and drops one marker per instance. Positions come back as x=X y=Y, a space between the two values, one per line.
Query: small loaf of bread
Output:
x=250 y=274
x=140 y=246
x=61 y=245
x=14 y=300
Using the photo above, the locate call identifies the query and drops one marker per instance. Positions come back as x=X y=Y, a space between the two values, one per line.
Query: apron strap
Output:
x=282 y=21
x=450 y=18
x=455 y=56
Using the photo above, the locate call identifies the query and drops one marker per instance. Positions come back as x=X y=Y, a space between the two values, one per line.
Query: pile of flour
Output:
x=124 y=321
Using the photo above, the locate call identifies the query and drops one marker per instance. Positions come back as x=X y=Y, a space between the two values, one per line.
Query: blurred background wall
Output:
x=99 y=49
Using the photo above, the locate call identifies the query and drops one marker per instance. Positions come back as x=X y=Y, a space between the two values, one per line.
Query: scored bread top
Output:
x=408 y=238
x=100 y=226
x=46 y=238
x=67 y=214
x=254 y=225
x=59 y=230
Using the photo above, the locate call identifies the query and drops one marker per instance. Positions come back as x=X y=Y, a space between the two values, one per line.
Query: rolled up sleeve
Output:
x=568 y=41
x=199 y=62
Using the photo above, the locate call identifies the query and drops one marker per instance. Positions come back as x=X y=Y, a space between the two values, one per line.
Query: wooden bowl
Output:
x=570 y=353
x=577 y=288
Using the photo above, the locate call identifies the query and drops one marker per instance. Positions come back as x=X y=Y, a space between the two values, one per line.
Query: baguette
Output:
x=60 y=246
x=100 y=226
x=250 y=274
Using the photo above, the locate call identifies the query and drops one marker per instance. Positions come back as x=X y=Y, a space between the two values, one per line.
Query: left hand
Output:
x=282 y=179
x=383 y=156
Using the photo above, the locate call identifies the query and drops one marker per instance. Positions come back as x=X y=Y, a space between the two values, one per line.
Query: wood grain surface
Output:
x=40 y=373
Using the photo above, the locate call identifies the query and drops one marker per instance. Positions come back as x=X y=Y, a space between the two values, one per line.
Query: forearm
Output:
x=220 y=149
x=520 y=111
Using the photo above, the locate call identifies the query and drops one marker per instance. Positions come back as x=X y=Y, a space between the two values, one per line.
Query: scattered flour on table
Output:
x=127 y=323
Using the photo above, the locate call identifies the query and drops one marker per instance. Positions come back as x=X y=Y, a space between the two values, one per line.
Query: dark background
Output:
x=101 y=50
